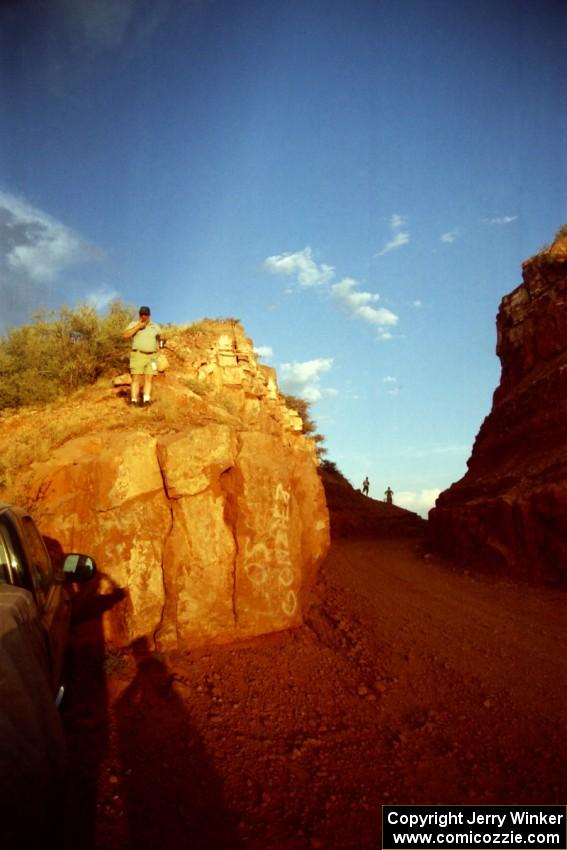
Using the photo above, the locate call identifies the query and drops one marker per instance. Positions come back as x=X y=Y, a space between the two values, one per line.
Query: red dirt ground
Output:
x=410 y=682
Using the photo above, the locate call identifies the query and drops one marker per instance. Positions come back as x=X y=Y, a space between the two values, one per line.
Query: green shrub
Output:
x=331 y=468
x=303 y=407
x=61 y=351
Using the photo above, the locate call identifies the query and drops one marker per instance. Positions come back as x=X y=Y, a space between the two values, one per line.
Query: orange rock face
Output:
x=214 y=527
x=510 y=509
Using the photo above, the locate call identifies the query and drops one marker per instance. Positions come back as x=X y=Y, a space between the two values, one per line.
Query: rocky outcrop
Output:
x=509 y=512
x=207 y=509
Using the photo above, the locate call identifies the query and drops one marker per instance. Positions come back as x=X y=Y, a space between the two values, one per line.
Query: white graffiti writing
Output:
x=289 y=603
x=276 y=549
x=282 y=501
x=256 y=556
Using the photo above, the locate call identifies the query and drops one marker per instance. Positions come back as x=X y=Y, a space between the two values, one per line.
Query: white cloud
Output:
x=103 y=23
x=35 y=252
x=450 y=236
x=330 y=392
x=303 y=379
x=34 y=244
x=265 y=351
x=344 y=291
x=76 y=32
x=400 y=237
x=357 y=305
x=391 y=385
x=101 y=298
x=505 y=219
x=380 y=316
x=417 y=304
x=302 y=266
x=420 y=501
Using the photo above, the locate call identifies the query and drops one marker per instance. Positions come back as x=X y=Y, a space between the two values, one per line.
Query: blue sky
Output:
x=358 y=182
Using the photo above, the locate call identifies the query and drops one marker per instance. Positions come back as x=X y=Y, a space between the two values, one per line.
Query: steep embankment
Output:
x=509 y=512
x=410 y=683
x=355 y=515
x=205 y=513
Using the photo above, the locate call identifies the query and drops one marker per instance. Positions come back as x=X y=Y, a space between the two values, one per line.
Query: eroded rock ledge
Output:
x=214 y=520
x=509 y=512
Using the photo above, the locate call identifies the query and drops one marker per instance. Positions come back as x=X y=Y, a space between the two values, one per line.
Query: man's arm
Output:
x=130 y=332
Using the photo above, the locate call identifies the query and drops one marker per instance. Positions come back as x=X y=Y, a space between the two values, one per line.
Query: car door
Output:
x=52 y=599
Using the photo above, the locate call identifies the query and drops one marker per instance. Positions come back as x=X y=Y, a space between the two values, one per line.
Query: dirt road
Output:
x=409 y=683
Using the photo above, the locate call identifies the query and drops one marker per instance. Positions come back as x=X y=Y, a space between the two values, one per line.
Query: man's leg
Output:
x=135 y=388
x=148 y=387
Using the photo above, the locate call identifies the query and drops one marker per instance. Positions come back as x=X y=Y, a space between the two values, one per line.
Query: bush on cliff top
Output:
x=59 y=352
x=301 y=406
x=545 y=249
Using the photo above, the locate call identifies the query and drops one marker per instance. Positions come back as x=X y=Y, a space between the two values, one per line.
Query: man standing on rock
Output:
x=145 y=336
x=365 y=486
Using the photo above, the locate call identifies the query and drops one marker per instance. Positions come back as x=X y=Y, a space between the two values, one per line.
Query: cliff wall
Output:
x=206 y=509
x=509 y=511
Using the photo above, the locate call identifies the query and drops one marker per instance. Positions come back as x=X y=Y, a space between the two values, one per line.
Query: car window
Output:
x=40 y=565
x=5 y=565
x=11 y=571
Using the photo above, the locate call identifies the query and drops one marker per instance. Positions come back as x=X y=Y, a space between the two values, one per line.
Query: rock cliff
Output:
x=509 y=511
x=207 y=508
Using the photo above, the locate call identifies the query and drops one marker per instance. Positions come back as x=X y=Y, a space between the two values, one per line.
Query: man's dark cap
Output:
x=145 y=311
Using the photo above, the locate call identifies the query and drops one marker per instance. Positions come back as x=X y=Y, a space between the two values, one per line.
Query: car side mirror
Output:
x=78 y=568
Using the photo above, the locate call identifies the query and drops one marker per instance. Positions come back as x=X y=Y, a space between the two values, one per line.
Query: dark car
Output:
x=25 y=562
x=34 y=625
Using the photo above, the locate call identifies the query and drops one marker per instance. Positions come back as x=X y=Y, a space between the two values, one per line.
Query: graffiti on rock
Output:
x=272 y=556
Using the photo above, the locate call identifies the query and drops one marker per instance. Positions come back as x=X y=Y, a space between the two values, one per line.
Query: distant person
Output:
x=388 y=494
x=365 y=486
x=145 y=336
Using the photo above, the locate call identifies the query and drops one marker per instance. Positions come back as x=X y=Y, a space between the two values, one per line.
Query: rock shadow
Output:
x=171 y=792
x=85 y=709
